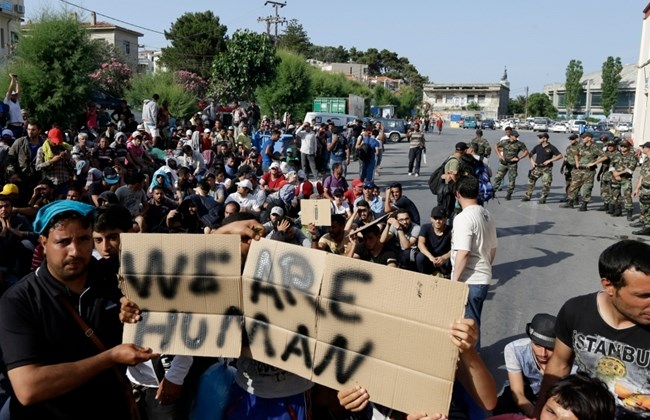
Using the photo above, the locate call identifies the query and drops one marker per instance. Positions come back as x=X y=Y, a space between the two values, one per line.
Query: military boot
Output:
x=645 y=231
x=583 y=206
x=567 y=205
x=636 y=224
x=509 y=196
x=604 y=207
x=629 y=215
x=525 y=198
x=618 y=212
x=611 y=208
x=542 y=200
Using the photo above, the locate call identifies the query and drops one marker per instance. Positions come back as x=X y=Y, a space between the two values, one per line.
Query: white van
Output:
x=339 y=120
x=574 y=126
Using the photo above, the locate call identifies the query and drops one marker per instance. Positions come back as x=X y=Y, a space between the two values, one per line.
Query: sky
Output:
x=462 y=41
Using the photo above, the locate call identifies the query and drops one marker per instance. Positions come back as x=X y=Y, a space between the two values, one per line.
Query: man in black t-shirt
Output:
x=55 y=369
x=371 y=249
x=541 y=159
x=607 y=334
x=434 y=243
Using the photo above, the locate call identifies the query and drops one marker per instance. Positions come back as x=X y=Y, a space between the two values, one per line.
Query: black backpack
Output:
x=365 y=152
x=435 y=180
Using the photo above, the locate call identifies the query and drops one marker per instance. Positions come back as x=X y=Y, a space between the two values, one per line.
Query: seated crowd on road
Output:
x=245 y=173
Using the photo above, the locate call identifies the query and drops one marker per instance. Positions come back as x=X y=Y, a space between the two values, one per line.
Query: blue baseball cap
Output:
x=47 y=212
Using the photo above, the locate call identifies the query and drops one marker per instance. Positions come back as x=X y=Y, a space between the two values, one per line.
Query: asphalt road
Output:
x=546 y=254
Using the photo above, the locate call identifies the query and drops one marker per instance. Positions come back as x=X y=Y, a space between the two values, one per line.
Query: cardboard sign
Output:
x=334 y=320
x=318 y=212
x=189 y=288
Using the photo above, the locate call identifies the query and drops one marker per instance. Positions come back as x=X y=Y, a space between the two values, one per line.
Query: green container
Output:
x=333 y=105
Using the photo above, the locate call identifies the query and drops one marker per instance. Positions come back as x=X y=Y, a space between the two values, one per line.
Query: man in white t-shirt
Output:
x=473 y=246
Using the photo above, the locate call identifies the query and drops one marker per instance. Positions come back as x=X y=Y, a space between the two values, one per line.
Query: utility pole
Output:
x=526 y=107
x=275 y=20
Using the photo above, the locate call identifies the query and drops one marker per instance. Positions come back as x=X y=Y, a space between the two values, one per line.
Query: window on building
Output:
x=127 y=47
x=481 y=99
x=449 y=99
x=596 y=99
x=560 y=100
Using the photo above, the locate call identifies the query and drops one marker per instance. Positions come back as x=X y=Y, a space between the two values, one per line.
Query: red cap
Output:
x=357 y=182
x=55 y=135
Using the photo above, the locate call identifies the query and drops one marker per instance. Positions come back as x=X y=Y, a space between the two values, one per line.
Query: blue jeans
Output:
x=367 y=170
x=477 y=295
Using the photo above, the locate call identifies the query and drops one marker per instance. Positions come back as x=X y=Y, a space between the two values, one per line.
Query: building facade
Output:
x=12 y=13
x=445 y=99
x=641 y=121
x=125 y=40
x=590 y=101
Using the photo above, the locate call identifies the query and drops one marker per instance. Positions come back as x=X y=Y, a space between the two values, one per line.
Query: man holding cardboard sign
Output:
x=50 y=323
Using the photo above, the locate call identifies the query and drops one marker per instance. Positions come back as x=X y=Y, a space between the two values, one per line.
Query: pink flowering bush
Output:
x=192 y=82
x=114 y=77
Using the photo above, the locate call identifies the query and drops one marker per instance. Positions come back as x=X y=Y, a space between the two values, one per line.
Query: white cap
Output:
x=207 y=130
x=246 y=184
x=277 y=210
x=274 y=165
x=189 y=133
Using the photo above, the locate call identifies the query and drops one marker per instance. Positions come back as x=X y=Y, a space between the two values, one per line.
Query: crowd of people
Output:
x=66 y=199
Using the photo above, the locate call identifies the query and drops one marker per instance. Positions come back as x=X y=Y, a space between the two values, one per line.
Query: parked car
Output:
x=394 y=128
x=624 y=127
x=559 y=128
x=470 y=122
x=523 y=125
x=540 y=124
x=597 y=134
x=489 y=123
x=104 y=99
x=577 y=126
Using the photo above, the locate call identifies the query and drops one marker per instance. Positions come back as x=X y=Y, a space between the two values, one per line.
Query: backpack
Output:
x=365 y=152
x=485 y=188
x=435 y=179
x=471 y=166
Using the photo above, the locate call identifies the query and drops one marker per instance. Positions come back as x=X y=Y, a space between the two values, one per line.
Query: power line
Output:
x=112 y=18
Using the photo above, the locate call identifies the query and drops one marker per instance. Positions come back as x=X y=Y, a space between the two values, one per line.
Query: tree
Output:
x=182 y=101
x=291 y=88
x=612 y=68
x=248 y=63
x=294 y=38
x=572 y=86
x=473 y=106
x=517 y=105
x=54 y=58
x=329 y=54
x=539 y=105
x=196 y=38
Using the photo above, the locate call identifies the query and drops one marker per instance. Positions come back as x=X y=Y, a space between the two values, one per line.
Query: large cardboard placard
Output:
x=318 y=212
x=189 y=287
x=334 y=320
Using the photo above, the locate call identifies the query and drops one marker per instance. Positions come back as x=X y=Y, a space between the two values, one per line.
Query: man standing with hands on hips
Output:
x=541 y=159
x=510 y=151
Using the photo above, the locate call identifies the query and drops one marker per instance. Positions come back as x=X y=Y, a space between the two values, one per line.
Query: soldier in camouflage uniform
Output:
x=569 y=161
x=622 y=168
x=605 y=178
x=586 y=160
x=510 y=153
x=642 y=190
x=541 y=159
x=481 y=146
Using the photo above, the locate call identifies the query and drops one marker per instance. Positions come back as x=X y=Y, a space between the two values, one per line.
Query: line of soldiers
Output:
x=618 y=163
